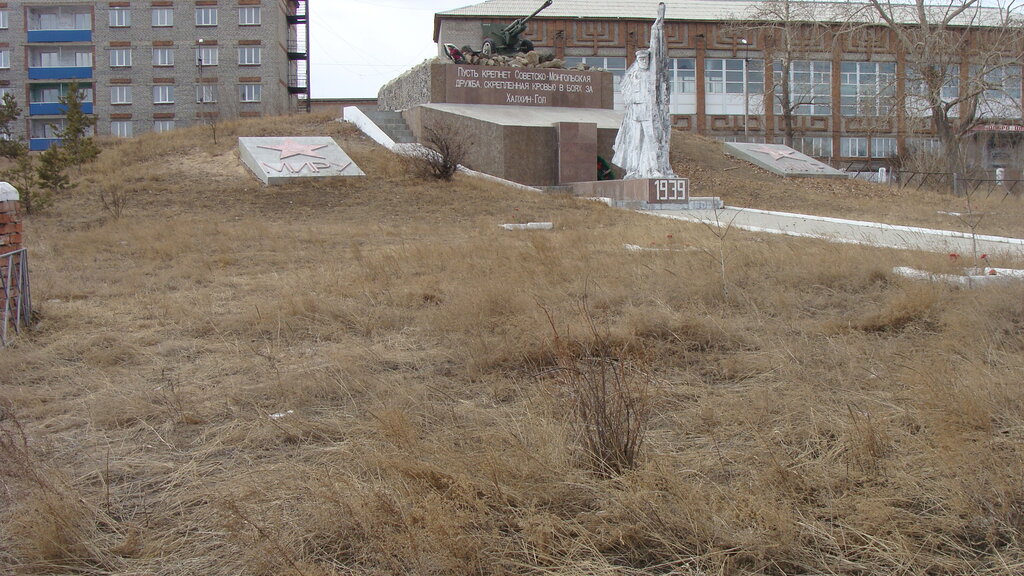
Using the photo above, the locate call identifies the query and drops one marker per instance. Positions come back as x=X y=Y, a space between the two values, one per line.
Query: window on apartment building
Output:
x=3 y=19
x=206 y=16
x=251 y=93
x=207 y=56
x=163 y=94
x=163 y=17
x=810 y=87
x=866 y=88
x=121 y=128
x=163 y=125
x=249 y=55
x=48 y=128
x=59 y=18
x=120 y=57
x=734 y=76
x=206 y=93
x=5 y=58
x=44 y=94
x=249 y=16
x=163 y=56
x=682 y=75
x=120 y=94
x=120 y=17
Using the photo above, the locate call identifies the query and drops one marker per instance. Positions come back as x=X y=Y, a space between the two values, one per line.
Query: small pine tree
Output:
x=52 y=179
x=75 y=139
x=24 y=178
x=10 y=147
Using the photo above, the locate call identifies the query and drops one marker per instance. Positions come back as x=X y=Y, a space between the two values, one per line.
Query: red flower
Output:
x=984 y=256
x=953 y=256
x=991 y=272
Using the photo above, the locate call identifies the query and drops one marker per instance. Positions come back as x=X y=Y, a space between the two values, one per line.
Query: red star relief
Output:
x=290 y=148
x=775 y=153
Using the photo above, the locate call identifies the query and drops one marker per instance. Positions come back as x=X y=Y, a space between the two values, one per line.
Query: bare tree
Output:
x=960 y=64
x=797 y=42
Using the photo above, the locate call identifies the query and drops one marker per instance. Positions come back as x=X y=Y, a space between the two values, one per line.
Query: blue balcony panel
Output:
x=54 y=108
x=60 y=35
x=60 y=73
x=40 y=144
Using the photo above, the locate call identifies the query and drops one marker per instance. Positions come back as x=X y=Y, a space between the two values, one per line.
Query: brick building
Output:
x=725 y=74
x=153 y=64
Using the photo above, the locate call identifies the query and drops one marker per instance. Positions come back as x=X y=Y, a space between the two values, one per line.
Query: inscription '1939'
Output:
x=670 y=190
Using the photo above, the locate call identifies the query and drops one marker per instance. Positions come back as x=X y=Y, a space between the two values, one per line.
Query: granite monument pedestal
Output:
x=647 y=194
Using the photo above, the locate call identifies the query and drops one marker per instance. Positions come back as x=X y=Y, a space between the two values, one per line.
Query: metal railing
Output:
x=958 y=183
x=15 y=295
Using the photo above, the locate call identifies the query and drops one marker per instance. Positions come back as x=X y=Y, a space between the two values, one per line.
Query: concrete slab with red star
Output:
x=279 y=159
x=782 y=160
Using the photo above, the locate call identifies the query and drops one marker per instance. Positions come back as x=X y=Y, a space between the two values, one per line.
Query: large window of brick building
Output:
x=810 y=83
x=867 y=88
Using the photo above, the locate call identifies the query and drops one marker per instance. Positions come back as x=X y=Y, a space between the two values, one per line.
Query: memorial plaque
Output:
x=276 y=160
x=466 y=84
x=782 y=160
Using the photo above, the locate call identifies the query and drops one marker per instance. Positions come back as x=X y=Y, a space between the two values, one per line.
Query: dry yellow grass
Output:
x=352 y=377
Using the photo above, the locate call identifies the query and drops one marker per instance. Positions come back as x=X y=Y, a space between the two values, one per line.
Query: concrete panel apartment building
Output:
x=725 y=72
x=153 y=65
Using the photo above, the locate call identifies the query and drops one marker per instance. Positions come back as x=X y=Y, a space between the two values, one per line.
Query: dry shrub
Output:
x=50 y=526
x=913 y=306
x=610 y=400
x=611 y=410
x=447 y=148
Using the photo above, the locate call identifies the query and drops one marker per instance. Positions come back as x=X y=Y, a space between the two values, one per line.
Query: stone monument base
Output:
x=647 y=194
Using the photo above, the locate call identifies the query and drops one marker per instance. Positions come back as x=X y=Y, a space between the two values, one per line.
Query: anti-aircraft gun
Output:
x=500 y=39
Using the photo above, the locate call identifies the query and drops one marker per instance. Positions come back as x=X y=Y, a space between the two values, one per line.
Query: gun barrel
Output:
x=543 y=6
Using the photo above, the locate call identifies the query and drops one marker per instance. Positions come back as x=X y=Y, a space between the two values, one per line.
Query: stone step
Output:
x=393 y=124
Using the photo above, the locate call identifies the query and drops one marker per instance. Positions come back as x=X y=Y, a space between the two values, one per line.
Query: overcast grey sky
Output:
x=358 y=45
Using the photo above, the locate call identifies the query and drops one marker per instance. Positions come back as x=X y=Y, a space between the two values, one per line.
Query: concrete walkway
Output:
x=849 y=231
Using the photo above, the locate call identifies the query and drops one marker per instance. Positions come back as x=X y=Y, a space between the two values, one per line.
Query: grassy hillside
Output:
x=369 y=376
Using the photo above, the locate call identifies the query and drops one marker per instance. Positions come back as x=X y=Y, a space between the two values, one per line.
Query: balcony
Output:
x=54 y=108
x=59 y=24
x=40 y=144
x=60 y=35
x=59 y=72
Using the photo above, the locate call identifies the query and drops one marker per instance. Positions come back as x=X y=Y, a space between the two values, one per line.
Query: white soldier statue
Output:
x=642 y=144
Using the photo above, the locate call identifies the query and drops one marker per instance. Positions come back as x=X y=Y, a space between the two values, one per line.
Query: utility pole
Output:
x=202 y=88
x=746 y=90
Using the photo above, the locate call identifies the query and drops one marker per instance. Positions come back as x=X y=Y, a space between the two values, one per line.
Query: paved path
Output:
x=849 y=231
